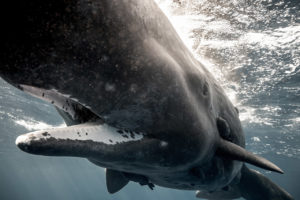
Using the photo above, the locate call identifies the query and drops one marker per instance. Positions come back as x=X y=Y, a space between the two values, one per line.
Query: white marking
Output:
x=22 y=139
x=163 y=144
x=88 y=131
x=52 y=96
x=60 y=100
x=110 y=87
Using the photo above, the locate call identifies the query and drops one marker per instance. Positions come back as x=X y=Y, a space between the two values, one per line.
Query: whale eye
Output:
x=224 y=129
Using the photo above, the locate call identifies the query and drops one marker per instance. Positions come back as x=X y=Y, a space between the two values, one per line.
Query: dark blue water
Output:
x=253 y=49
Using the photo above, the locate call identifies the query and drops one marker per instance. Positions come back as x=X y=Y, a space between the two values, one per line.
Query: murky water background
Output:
x=253 y=49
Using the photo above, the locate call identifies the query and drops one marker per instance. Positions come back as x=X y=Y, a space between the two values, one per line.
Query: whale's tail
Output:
x=255 y=186
x=252 y=186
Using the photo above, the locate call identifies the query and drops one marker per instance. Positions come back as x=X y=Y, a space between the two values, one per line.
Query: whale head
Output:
x=134 y=98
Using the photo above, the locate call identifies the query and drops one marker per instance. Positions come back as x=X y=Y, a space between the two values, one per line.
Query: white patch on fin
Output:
x=94 y=131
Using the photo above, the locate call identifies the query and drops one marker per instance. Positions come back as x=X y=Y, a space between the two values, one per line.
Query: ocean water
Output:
x=253 y=49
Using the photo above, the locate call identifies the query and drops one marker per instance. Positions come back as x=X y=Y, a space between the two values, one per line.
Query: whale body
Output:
x=134 y=98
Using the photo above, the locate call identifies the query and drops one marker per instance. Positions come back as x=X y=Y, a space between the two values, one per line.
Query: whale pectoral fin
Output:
x=232 y=151
x=255 y=186
x=115 y=181
x=226 y=193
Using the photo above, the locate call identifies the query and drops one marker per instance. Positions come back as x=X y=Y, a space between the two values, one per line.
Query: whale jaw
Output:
x=82 y=140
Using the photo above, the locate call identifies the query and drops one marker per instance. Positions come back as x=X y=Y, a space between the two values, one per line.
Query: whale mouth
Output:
x=84 y=135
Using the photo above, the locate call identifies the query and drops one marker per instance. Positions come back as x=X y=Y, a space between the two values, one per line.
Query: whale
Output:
x=134 y=98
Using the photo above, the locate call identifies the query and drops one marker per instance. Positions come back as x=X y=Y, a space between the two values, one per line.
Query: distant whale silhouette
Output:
x=134 y=98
